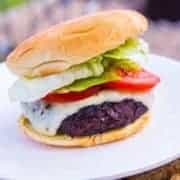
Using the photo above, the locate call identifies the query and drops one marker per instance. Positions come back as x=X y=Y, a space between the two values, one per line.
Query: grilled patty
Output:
x=96 y=119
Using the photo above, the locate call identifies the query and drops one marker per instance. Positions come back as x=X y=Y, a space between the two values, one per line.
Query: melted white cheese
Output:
x=47 y=121
x=25 y=90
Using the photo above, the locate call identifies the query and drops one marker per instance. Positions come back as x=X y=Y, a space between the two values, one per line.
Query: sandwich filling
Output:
x=129 y=57
x=48 y=117
x=109 y=91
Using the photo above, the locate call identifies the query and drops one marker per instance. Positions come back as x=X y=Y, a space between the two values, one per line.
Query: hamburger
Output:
x=83 y=82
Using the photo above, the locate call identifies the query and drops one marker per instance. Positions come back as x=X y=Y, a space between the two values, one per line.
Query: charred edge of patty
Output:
x=96 y=119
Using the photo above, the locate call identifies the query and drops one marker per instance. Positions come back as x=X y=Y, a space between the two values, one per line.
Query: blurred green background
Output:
x=7 y=4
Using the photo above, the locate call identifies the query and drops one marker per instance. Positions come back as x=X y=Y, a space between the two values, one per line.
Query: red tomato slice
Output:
x=71 y=96
x=140 y=81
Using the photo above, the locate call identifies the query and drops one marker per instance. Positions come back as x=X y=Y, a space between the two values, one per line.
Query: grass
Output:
x=6 y=4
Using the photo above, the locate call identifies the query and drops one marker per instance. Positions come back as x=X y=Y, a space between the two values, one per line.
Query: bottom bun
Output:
x=84 y=141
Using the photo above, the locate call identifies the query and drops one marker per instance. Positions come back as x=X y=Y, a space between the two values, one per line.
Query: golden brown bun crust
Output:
x=74 y=42
x=86 y=141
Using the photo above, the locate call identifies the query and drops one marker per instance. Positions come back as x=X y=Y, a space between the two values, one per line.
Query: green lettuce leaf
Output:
x=108 y=76
x=133 y=49
x=84 y=84
x=96 y=65
x=125 y=64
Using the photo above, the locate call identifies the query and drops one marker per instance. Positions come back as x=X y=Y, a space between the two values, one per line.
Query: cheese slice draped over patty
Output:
x=47 y=118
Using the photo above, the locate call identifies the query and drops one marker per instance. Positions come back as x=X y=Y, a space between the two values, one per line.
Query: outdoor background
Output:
x=20 y=19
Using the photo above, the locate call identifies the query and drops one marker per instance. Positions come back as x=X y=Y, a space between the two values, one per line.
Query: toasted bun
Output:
x=86 y=141
x=74 y=42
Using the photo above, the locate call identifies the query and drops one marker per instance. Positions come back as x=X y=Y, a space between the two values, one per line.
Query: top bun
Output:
x=74 y=42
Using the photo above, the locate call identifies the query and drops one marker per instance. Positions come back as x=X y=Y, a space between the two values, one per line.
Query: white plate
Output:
x=21 y=158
